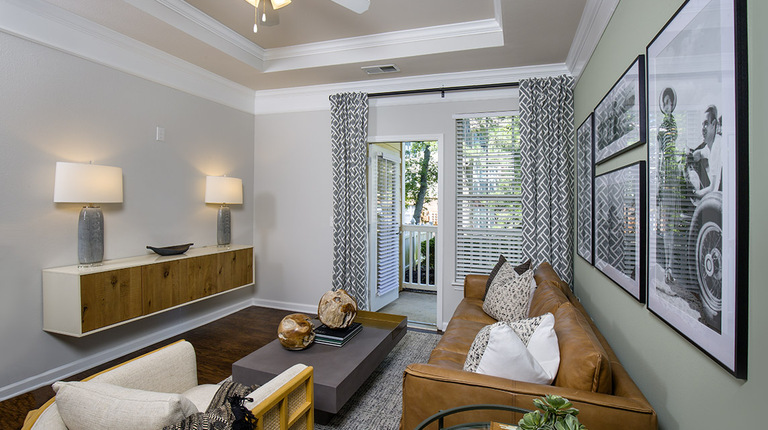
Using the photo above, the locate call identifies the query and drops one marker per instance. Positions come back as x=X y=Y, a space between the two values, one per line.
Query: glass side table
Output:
x=488 y=425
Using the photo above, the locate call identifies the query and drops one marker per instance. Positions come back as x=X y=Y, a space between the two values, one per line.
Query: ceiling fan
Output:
x=266 y=15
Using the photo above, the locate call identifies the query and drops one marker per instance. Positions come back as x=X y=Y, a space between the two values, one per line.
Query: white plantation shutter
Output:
x=388 y=225
x=488 y=192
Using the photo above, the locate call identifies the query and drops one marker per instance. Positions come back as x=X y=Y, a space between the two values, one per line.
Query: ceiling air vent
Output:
x=377 y=70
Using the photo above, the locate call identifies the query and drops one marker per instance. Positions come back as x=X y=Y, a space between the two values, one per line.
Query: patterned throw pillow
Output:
x=525 y=328
x=508 y=297
x=520 y=269
x=478 y=347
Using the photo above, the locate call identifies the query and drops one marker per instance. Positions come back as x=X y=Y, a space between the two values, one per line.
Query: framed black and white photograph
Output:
x=697 y=178
x=619 y=230
x=585 y=175
x=620 y=122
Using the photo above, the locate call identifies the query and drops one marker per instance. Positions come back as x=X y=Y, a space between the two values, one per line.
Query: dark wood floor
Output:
x=217 y=345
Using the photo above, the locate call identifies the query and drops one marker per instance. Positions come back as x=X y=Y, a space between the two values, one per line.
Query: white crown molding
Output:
x=406 y=43
x=48 y=25
x=594 y=20
x=315 y=98
x=197 y=24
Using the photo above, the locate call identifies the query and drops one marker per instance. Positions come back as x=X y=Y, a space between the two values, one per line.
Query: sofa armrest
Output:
x=289 y=396
x=428 y=389
x=474 y=286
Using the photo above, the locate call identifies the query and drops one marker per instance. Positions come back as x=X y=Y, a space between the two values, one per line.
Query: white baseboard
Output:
x=75 y=367
x=288 y=306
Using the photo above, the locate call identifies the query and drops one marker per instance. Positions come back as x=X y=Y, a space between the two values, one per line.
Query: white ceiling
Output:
x=319 y=42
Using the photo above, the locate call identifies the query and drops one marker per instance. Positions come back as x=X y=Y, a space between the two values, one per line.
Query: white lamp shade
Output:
x=223 y=189
x=276 y=4
x=87 y=183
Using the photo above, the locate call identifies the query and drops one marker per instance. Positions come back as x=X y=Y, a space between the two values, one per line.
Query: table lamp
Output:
x=223 y=190
x=89 y=184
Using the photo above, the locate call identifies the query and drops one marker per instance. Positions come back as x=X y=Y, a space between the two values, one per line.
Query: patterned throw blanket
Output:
x=219 y=415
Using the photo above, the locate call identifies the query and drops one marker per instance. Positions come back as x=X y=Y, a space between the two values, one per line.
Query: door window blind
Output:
x=388 y=225
x=488 y=192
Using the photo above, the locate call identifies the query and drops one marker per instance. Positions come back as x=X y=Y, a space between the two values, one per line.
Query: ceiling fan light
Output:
x=265 y=14
x=277 y=4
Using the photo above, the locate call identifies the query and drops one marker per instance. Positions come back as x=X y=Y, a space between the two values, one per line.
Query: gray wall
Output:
x=687 y=389
x=293 y=189
x=57 y=107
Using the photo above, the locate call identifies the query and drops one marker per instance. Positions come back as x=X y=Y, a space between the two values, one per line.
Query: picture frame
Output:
x=620 y=229
x=620 y=117
x=698 y=178
x=585 y=182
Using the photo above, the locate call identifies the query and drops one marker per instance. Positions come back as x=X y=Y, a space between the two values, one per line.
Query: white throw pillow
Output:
x=543 y=345
x=509 y=294
x=525 y=350
x=507 y=357
x=96 y=405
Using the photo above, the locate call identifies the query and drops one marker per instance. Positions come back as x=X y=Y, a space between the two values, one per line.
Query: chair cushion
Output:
x=508 y=297
x=201 y=395
x=97 y=405
x=584 y=363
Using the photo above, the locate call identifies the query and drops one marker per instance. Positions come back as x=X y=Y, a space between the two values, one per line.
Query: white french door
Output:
x=384 y=226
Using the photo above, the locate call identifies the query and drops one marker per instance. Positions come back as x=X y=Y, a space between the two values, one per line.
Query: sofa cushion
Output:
x=584 y=363
x=96 y=405
x=525 y=350
x=459 y=335
x=520 y=269
x=472 y=310
x=508 y=297
x=546 y=298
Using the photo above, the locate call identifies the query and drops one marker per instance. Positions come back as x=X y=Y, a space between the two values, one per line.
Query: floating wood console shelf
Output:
x=81 y=301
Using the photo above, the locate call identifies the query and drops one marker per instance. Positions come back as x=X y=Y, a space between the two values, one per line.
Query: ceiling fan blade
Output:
x=358 y=6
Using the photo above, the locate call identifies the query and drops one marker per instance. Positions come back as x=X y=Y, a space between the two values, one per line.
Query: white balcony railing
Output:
x=418 y=259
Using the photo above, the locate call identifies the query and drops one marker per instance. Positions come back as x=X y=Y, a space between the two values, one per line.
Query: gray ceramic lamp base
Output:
x=224 y=226
x=90 y=236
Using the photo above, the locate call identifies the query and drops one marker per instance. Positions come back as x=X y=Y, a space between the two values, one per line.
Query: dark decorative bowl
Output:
x=171 y=250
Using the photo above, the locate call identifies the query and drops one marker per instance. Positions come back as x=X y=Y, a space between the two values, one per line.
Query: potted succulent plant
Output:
x=559 y=414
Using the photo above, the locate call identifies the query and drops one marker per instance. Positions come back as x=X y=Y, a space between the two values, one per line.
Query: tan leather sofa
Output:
x=590 y=374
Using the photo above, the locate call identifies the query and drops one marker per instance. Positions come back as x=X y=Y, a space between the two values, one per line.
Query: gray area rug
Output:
x=378 y=403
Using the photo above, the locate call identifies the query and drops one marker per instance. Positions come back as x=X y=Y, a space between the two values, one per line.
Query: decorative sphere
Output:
x=296 y=332
x=337 y=309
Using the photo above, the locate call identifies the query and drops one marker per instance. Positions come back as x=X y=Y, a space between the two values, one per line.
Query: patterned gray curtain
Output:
x=349 y=146
x=547 y=152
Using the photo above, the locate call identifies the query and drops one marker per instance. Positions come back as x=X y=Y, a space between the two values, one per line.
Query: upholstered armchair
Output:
x=167 y=378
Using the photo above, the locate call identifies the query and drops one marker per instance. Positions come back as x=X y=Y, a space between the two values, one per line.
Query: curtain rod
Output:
x=443 y=90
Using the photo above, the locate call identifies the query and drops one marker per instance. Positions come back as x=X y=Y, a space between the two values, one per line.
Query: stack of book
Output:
x=336 y=337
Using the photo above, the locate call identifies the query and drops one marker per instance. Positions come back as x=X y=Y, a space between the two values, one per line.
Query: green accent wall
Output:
x=687 y=388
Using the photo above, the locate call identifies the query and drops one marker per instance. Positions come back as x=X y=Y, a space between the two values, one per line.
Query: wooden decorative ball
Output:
x=296 y=332
x=337 y=309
